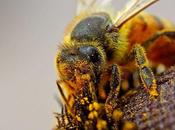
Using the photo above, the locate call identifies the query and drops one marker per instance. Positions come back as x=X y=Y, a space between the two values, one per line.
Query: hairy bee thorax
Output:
x=98 y=30
x=92 y=28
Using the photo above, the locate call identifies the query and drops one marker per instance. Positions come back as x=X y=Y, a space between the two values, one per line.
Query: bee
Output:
x=100 y=46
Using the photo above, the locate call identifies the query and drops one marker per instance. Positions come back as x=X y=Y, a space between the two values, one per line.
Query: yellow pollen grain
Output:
x=90 y=107
x=129 y=126
x=86 y=99
x=145 y=116
x=101 y=124
x=86 y=77
x=93 y=115
x=117 y=115
x=96 y=106
x=78 y=118
x=153 y=90
x=82 y=101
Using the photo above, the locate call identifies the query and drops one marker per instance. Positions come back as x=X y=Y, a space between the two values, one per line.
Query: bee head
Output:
x=83 y=54
x=78 y=61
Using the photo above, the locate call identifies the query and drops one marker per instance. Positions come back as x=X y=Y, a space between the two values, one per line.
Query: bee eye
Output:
x=91 y=53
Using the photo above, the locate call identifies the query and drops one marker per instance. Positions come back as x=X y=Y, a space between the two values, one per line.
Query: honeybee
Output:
x=100 y=45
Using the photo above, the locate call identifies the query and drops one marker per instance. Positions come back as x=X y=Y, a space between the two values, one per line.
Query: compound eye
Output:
x=91 y=53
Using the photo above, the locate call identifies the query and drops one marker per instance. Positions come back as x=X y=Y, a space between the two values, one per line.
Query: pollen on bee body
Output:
x=80 y=81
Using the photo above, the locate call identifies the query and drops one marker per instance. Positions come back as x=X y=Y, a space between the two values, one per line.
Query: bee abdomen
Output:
x=151 y=32
x=144 y=26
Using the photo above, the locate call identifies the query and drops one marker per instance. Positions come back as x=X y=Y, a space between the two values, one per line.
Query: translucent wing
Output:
x=131 y=9
x=83 y=5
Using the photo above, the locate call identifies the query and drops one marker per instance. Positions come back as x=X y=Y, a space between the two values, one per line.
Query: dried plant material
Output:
x=148 y=113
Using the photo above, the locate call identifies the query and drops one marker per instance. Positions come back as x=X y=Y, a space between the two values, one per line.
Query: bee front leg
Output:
x=111 y=101
x=145 y=72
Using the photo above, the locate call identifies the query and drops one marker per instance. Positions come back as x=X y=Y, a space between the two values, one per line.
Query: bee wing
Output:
x=83 y=5
x=132 y=8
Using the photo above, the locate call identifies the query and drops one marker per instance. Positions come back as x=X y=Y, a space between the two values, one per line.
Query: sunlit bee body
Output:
x=99 y=48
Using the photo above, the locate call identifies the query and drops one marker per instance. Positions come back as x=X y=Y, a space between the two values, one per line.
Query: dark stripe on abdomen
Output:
x=159 y=22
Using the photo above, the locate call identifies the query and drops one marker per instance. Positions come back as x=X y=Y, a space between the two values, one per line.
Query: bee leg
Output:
x=145 y=72
x=111 y=101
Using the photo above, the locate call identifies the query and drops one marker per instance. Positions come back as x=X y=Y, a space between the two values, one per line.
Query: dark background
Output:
x=30 y=31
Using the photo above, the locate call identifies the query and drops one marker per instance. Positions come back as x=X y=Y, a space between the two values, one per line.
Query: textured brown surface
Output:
x=139 y=108
x=153 y=114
